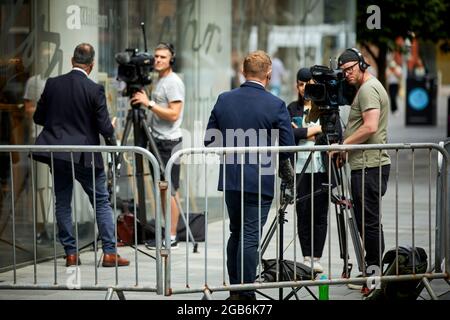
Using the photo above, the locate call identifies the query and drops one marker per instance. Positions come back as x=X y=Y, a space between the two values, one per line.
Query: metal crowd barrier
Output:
x=412 y=225
x=88 y=276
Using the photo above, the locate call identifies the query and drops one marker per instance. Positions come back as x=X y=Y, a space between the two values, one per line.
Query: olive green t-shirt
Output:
x=371 y=95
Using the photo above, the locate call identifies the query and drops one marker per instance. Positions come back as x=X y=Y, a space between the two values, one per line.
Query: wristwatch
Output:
x=151 y=104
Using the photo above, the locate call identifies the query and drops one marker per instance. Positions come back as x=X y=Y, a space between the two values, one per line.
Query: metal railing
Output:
x=88 y=276
x=404 y=227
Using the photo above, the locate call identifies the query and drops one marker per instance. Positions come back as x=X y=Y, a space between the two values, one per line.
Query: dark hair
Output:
x=84 y=54
x=301 y=100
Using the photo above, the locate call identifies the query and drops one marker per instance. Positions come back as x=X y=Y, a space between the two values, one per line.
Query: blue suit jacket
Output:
x=249 y=114
x=73 y=111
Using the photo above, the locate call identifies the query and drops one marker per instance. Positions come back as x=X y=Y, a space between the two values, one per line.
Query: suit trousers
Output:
x=63 y=192
x=251 y=235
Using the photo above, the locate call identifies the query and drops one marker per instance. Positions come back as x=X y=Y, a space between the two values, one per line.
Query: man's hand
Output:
x=338 y=156
x=114 y=122
x=140 y=97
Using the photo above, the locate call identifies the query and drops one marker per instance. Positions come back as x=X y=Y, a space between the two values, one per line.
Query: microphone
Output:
x=304 y=75
x=122 y=57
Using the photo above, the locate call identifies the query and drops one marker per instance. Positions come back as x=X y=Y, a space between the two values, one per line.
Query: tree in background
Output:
x=427 y=20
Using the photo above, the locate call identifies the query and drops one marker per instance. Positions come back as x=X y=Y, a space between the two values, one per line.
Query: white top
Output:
x=33 y=88
x=316 y=164
x=393 y=74
x=278 y=72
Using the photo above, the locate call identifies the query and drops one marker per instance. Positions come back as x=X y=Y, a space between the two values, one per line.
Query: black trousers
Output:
x=393 y=91
x=320 y=215
x=372 y=222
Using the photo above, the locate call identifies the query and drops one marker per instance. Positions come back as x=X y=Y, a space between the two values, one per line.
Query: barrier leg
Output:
x=109 y=294
x=429 y=289
x=207 y=294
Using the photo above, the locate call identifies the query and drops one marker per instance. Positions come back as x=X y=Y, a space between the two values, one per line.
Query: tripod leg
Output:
x=356 y=239
x=269 y=235
x=341 y=207
x=142 y=214
x=127 y=129
x=188 y=229
x=152 y=147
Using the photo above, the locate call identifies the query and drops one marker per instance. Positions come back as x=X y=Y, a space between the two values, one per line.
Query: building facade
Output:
x=211 y=37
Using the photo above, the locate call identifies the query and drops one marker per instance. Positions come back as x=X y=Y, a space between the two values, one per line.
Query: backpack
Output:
x=402 y=290
x=303 y=272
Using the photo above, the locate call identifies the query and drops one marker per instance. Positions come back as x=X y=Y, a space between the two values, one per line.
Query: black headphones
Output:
x=171 y=48
x=363 y=65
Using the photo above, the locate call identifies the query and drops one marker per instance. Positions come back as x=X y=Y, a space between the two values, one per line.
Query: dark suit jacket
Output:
x=249 y=107
x=73 y=111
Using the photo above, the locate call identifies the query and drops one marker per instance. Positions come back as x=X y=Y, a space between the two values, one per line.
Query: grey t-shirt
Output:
x=168 y=89
x=371 y=95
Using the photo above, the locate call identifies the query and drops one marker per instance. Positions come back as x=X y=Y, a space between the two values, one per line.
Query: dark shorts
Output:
x=166 y=149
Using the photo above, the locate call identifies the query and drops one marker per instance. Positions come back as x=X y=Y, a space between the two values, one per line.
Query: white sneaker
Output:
x=317 y=267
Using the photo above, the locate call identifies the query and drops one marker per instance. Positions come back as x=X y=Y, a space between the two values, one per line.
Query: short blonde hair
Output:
x=257 y=64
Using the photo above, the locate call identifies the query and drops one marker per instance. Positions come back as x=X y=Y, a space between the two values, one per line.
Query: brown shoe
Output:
x=109 y=260
x=71 y=260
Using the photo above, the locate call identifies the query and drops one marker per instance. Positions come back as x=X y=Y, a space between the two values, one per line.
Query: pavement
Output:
x=193 y=270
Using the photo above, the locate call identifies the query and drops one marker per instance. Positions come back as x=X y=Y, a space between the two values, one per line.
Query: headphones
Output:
x=363 y=65
x=171 y=48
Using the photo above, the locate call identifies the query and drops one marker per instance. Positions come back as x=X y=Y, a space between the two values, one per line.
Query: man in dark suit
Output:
x=72 y=109
x=243 y=117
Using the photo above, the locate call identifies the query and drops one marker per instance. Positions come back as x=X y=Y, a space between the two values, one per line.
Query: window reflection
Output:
x=211 y=38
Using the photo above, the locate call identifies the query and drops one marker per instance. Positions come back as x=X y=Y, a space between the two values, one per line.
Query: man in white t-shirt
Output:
x=166 y=106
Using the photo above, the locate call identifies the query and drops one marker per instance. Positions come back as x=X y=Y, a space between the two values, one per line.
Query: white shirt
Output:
x=79 y=69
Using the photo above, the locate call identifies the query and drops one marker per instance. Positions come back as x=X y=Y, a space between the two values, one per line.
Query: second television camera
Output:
x=135 y=68
x=328 y=92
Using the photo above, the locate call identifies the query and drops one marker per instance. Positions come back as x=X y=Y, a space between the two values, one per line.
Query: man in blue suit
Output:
x=72 y=109
x=243 y=117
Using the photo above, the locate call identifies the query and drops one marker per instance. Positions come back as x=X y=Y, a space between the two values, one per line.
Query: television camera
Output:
x=135 y=68
x=328 y=92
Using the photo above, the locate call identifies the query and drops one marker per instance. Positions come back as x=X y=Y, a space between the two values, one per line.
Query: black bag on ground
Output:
x=303 y=272
x=196 y=224
x=402 y=290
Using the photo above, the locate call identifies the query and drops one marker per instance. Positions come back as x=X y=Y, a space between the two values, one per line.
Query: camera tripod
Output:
x=343 y=210
x=284 y=270
x=136 y=117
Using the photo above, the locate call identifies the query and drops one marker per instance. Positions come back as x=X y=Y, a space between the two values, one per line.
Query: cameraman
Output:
x=367 y=124
x=306 y=126
x=166 y=106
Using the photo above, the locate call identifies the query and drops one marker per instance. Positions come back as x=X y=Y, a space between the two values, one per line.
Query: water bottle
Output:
x=323 y=289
